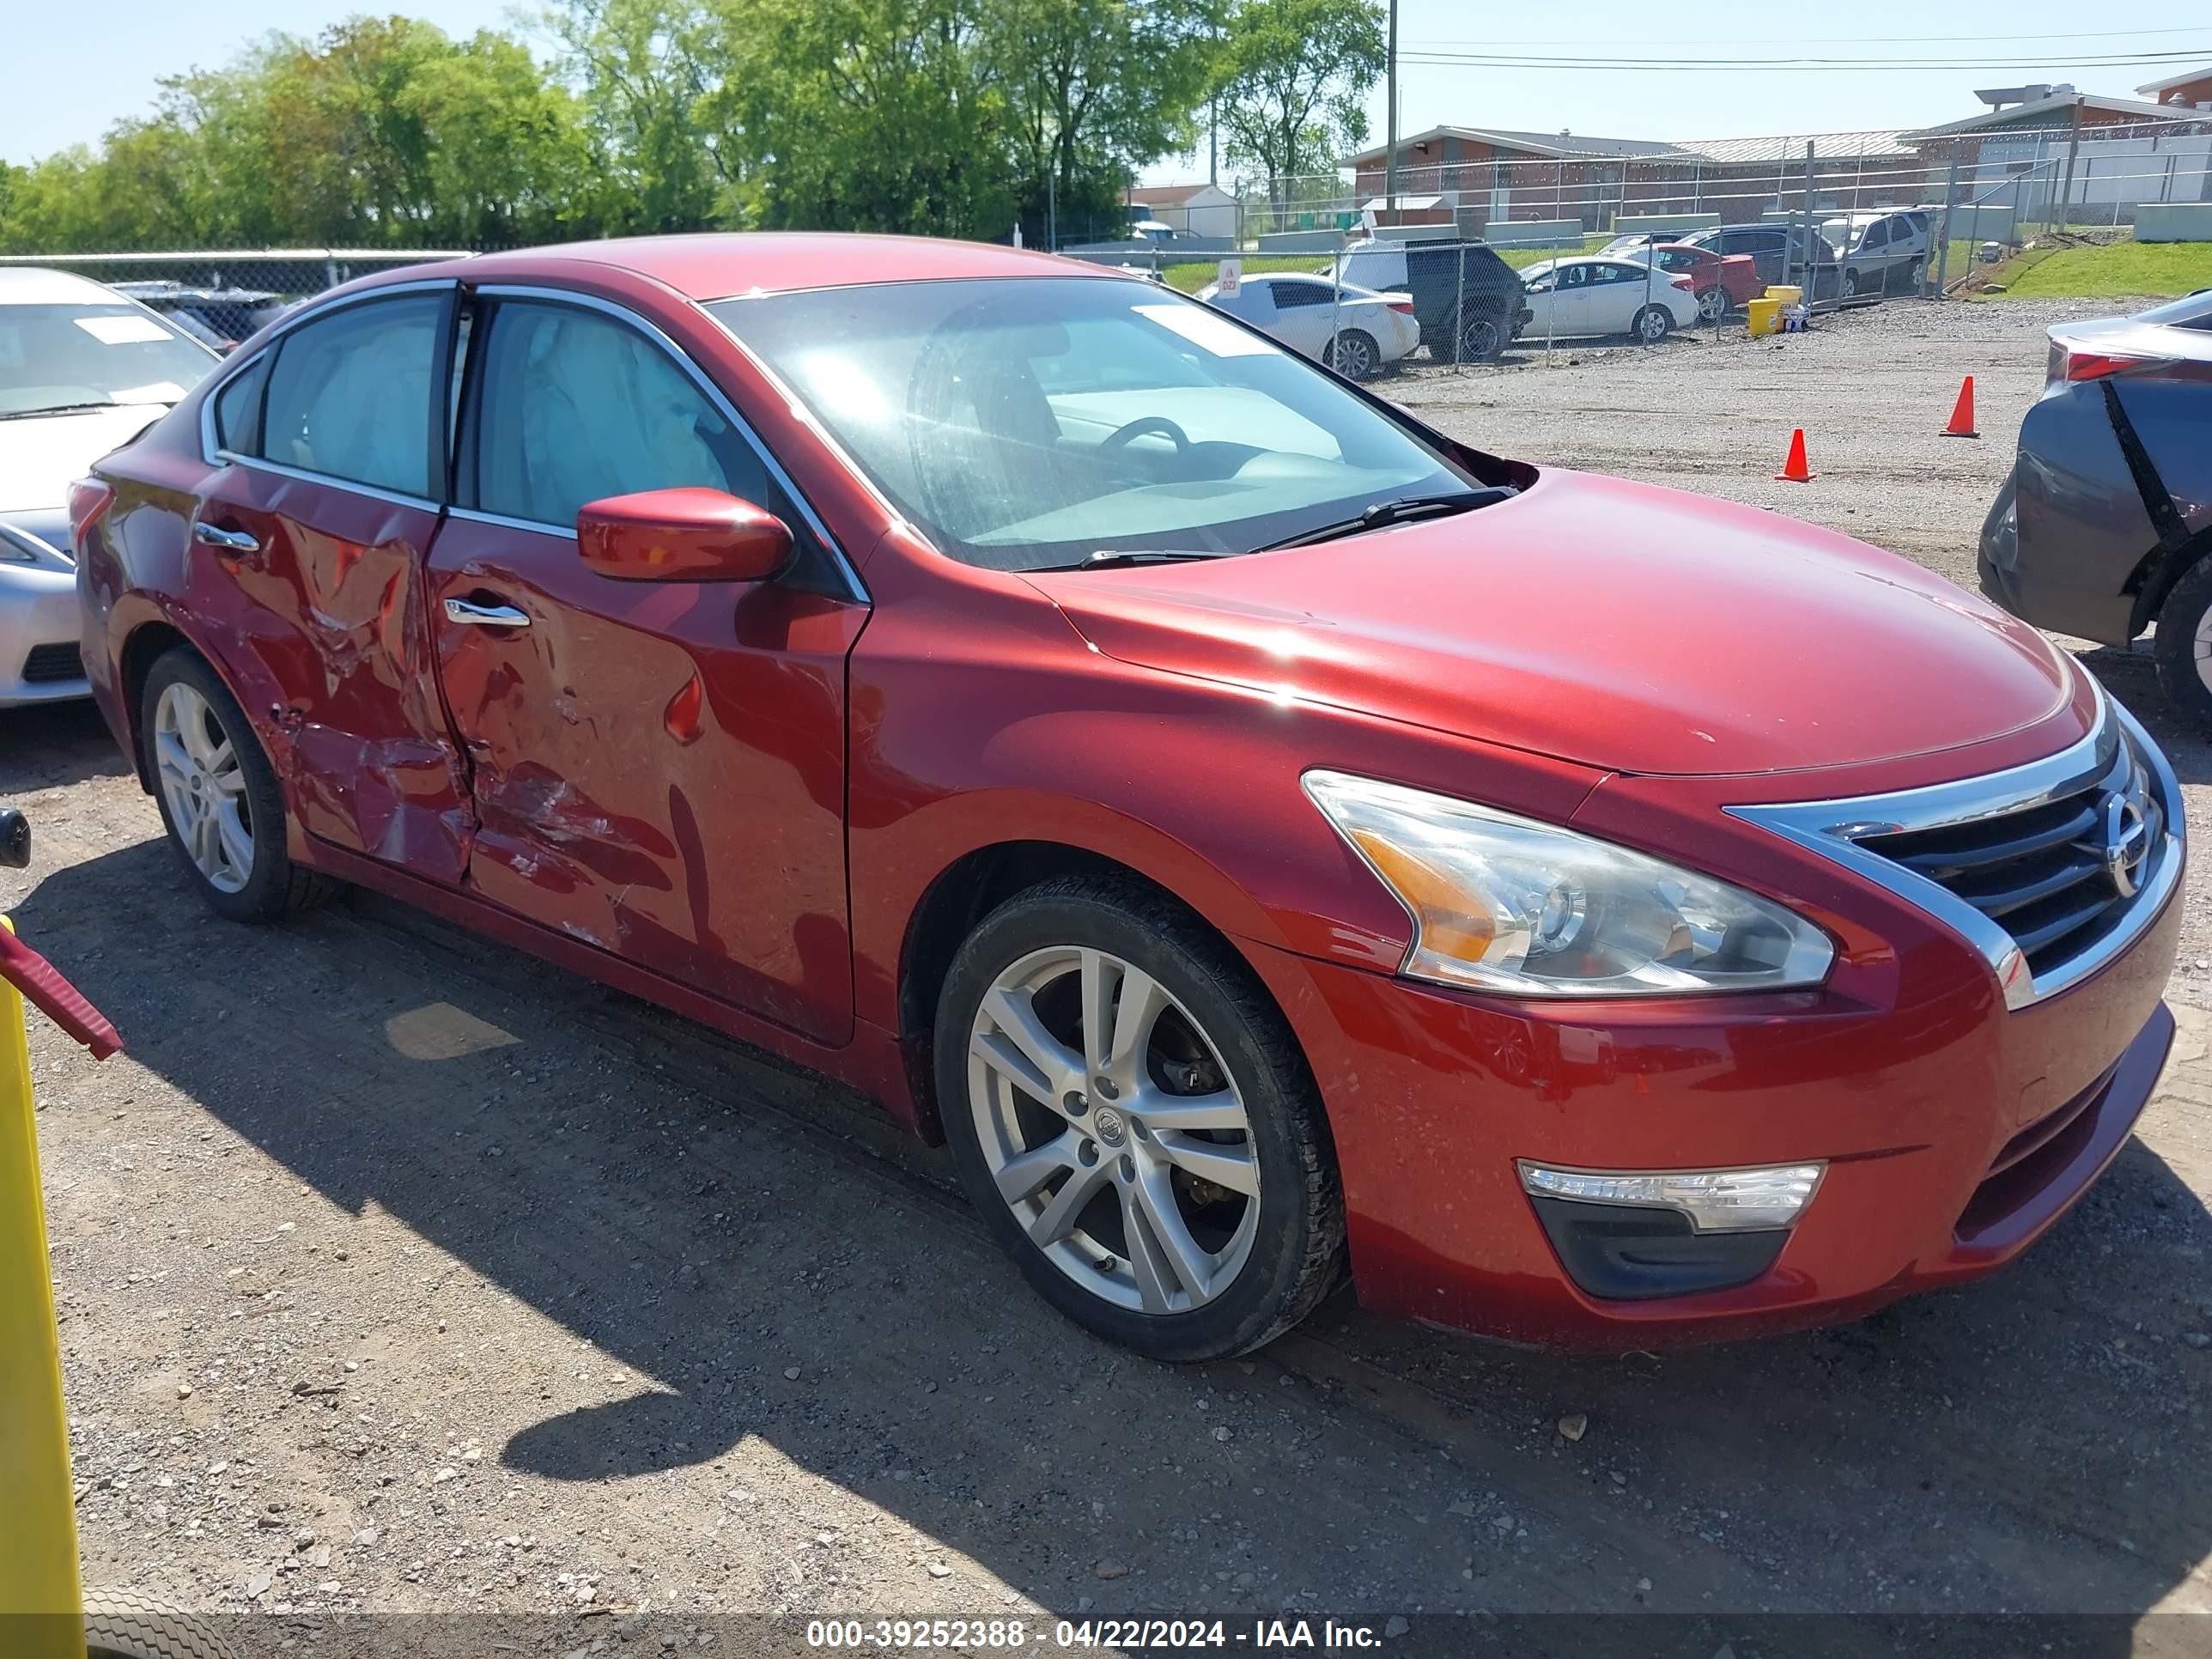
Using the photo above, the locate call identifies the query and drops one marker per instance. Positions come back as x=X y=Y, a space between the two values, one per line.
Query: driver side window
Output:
x=573 y=406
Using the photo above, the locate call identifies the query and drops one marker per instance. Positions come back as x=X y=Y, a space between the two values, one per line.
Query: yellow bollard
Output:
x=38 y=1521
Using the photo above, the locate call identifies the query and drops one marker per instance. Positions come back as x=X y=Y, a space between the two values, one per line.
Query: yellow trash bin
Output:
x=1766 y=315
x=1788 y=294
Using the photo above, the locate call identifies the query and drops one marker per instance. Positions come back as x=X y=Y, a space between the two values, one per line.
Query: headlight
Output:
x=1505 y=903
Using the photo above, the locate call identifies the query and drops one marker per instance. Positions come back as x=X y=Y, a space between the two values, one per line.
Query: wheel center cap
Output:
x=1110 y=1127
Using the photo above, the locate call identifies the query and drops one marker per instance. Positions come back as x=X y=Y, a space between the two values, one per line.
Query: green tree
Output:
x=1295 y=78
x=1095 y=89
x=861 y=115
x=640 y=69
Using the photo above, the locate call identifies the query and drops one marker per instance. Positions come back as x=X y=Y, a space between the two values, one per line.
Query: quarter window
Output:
x=349 y=395
x=575 y=407
x=238 y=410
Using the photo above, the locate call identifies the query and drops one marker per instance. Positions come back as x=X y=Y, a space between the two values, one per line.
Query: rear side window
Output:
x=1288 y=294
x=349 y=395
x=238 y=410
x=573 y=407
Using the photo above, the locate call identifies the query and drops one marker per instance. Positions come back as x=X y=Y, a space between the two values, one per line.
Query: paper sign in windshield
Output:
x=1208 y=332
x=122 y=331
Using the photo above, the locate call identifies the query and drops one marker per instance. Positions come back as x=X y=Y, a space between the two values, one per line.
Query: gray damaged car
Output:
x=2105 y=525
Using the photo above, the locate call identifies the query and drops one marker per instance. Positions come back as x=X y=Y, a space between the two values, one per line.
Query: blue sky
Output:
x=65 y=85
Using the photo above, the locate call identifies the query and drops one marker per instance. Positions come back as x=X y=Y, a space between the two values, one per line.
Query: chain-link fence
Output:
x=1485 y=250
x=221 y=296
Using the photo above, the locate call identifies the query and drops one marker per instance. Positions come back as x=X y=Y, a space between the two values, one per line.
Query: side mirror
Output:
x=687 y=535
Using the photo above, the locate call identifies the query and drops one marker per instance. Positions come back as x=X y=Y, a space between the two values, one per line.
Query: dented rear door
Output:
x=320 y=517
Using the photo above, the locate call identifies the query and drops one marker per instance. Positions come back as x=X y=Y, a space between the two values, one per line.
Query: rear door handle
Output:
x=230 y=541
x=485 y=616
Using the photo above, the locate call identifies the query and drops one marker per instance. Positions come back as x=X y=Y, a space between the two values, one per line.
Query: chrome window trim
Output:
x=1831 y=829
x=850 y=575
x=536 y=528
x=212 y=452
x=353 y=486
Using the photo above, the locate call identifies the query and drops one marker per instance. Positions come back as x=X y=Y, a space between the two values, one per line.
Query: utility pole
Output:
x=1213 y=139
x=1390 y=120
x=2073 y=149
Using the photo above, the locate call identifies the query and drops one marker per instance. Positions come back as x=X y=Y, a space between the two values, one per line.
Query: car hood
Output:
x=42 y=455
x=1616 y=624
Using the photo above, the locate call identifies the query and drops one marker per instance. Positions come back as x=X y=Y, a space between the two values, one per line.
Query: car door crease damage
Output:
x=1235 y=919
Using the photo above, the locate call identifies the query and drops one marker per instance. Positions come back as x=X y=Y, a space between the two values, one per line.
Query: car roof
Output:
x=35 y=285
x=717 y=265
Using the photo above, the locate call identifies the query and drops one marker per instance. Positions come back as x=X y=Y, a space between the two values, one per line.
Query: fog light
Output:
x=1714 y=1200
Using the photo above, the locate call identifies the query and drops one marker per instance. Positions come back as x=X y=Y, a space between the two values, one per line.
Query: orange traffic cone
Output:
x=1962 y=412
x=1794 y=470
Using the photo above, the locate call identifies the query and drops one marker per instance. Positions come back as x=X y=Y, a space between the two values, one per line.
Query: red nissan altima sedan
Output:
x=1260 y=835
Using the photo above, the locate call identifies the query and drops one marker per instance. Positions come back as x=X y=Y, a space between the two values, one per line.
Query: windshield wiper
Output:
x=57 y=408
x=1107 y=558
x=1397 y=510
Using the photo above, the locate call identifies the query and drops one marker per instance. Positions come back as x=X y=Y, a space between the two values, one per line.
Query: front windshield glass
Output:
x=1029 y=422
x=65 y=356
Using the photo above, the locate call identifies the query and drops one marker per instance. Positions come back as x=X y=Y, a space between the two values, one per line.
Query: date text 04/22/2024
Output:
x=1097 y=1634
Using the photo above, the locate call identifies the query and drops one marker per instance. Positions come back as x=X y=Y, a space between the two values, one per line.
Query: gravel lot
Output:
x=399 y=1274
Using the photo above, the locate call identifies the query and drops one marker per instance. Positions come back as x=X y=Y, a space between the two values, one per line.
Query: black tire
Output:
x=275 y=886
x=1653 y=324
x=1482 y=337
x=1354 y=355
x=2179 y=676
x=1850 y=284
x=124 y=1625
x=1297 y=1245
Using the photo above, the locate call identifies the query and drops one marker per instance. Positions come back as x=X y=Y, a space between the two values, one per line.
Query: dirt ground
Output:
x=402 y=1276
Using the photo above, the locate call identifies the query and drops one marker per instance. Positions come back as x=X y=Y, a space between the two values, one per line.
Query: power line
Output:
x=1823 y=65
x=1830 y=39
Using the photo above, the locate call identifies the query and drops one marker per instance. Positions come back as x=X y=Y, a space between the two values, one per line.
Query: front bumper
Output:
x=39 y=634
x=1953 y=1131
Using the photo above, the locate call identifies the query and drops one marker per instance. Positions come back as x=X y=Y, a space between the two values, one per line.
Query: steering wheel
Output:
x=1123 y=437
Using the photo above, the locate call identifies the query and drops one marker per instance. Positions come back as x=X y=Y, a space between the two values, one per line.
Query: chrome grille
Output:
x=2052 y=875
x=2048 y=870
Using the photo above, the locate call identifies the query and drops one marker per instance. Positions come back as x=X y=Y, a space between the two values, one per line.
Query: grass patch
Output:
x=1190 y=276
x=1194 y=275
x=2119 y=271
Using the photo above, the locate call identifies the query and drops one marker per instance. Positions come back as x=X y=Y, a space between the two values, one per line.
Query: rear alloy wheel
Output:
x=1654 y=324
x=1353 y=355
x=218 y=795
x=2183 y=646
x=1713 y=303
x=1135 y=1123
x=1850 y=284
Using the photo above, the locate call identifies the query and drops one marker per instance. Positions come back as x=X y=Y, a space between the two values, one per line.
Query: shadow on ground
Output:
x=712 y=1219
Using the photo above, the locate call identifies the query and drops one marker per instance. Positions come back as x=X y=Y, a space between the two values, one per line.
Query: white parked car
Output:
x=81 y=370
x=1575 y=298
x=1354 y=330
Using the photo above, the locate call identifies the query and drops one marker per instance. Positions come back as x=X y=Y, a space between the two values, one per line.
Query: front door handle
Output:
x=230 y=541
x=485 y=616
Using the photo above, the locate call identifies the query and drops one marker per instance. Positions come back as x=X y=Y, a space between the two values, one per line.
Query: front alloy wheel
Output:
x=1134 y=1120
x=1112 y=1130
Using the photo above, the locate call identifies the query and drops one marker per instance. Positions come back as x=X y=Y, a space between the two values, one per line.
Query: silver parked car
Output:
x=2105 y=525
x=1881 y=253
x=83 y=369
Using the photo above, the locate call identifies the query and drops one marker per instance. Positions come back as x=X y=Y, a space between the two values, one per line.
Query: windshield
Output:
x=1029 y=422
x=66 y=357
